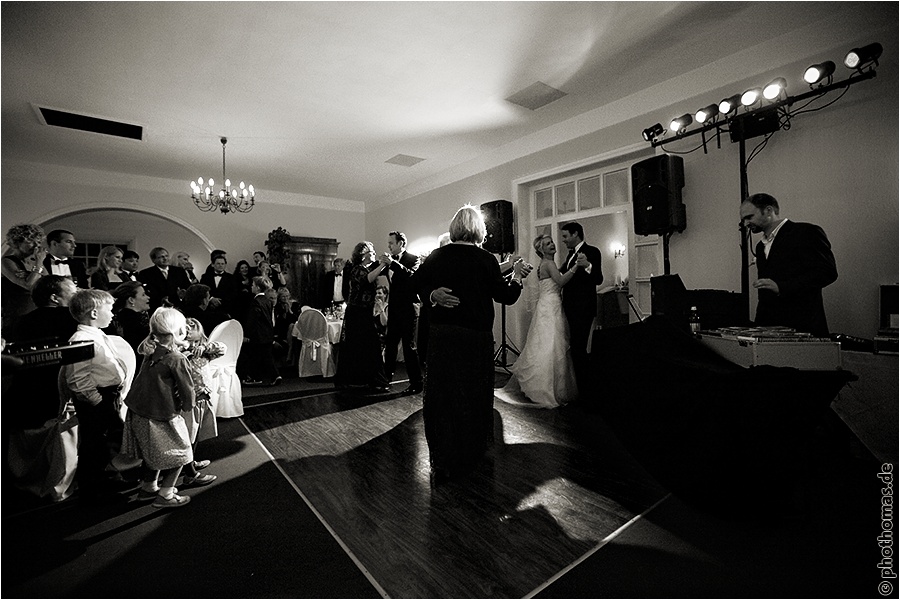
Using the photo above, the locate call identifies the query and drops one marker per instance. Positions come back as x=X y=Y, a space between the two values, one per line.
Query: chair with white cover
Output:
x=316 y=352
x=225 y=385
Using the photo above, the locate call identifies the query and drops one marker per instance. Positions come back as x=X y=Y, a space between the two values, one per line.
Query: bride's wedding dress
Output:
x=543 y=376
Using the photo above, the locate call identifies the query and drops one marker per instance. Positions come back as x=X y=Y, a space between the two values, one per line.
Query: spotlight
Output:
x=680 y=123
x=751 y=96
x=817 y=73
x=707 y=113
x=860 y=57
x=651 y=132
x=729 y=104
x=774 y=89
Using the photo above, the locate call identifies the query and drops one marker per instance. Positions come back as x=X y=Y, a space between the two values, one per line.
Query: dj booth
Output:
x=716 y=433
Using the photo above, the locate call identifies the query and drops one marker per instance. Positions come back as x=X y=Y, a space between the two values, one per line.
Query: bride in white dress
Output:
x=543 y=376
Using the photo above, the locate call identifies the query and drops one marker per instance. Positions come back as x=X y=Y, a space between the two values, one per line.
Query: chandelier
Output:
x=228 y=199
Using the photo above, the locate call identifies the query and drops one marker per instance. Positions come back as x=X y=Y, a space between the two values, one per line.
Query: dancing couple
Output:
x=554 y=366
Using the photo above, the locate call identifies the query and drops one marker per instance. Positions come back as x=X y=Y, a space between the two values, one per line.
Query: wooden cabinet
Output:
x=308 y=259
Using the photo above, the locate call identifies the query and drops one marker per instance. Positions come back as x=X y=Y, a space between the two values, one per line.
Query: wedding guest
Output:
x=109 y=262
x=361 y=363
x=165 y=283
x=183 y=260
x=273 y=272
x=335 y=286
x=36 y=388
x=22 y=269
x=286 y=312
x=380 y=312
x=155 y=430
x=59 y=261
x=260 y=335
x=196 y=305
x=462 y=281
x=130 y=260
x=200 y=420
x=96 y=385
x=399 y=266
x=132 y=315
x=223 y=286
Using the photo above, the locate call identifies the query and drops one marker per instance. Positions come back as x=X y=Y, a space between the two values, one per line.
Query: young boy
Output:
x=95 y=385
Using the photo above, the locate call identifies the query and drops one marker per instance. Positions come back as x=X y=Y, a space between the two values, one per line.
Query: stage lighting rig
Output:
x=766 y=109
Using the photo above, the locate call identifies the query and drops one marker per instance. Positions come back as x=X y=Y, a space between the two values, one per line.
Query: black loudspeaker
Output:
x=498 y=218
x=656 y=193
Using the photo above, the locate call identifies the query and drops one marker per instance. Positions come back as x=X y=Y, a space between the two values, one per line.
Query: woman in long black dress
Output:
x=361 y=364
x=461 y=282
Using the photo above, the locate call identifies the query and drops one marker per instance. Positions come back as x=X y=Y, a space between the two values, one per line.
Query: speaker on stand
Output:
x=656 y=185
x=498 y=220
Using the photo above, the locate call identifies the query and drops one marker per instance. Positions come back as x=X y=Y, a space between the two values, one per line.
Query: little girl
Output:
x=201 y=422
x=155 y=429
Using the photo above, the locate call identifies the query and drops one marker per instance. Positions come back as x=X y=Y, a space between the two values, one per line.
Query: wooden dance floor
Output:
x=554 y=489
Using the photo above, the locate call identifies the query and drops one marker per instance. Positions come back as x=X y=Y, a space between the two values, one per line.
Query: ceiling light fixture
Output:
x=816 y=73
x=862 y=57
x=226 y=200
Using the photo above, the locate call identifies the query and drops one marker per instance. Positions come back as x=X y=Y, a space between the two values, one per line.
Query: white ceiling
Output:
x=314 y=97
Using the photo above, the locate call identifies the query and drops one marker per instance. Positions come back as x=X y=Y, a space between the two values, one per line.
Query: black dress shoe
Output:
x=412 y=390
x=380 y=388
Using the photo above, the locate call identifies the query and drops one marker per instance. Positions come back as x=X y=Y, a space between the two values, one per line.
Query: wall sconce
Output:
x=617 y=249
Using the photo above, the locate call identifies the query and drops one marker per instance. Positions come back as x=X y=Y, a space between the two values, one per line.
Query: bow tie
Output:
x=60 y=261
x=395 y=256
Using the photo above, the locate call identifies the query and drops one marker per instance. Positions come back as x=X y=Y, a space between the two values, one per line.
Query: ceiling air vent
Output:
x=69 y=120
x=535 y=96
x=404 y=160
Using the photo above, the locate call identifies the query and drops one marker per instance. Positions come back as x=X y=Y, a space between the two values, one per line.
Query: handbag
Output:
x=43 y=460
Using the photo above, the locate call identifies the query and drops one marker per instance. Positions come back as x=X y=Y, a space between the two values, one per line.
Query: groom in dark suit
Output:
x=793 y=263
x=579 y=298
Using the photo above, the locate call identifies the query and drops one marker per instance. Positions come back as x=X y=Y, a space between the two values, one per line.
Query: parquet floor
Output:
x=553 y=489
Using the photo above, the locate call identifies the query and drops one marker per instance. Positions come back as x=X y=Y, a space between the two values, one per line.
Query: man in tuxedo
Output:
x=335 y=286
x=579 y=298
x=183 y=260
x=37 y=386
x=165 y=283
x=59 y=261
x=129 y=270
x=793 y=263
x=403 y=312
x=223 y=286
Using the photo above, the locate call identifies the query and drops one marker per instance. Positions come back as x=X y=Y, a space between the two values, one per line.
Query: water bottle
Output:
x=694 y=321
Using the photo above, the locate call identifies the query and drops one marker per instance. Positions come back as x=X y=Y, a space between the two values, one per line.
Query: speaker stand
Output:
x=500 y=357
x=666 y=265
